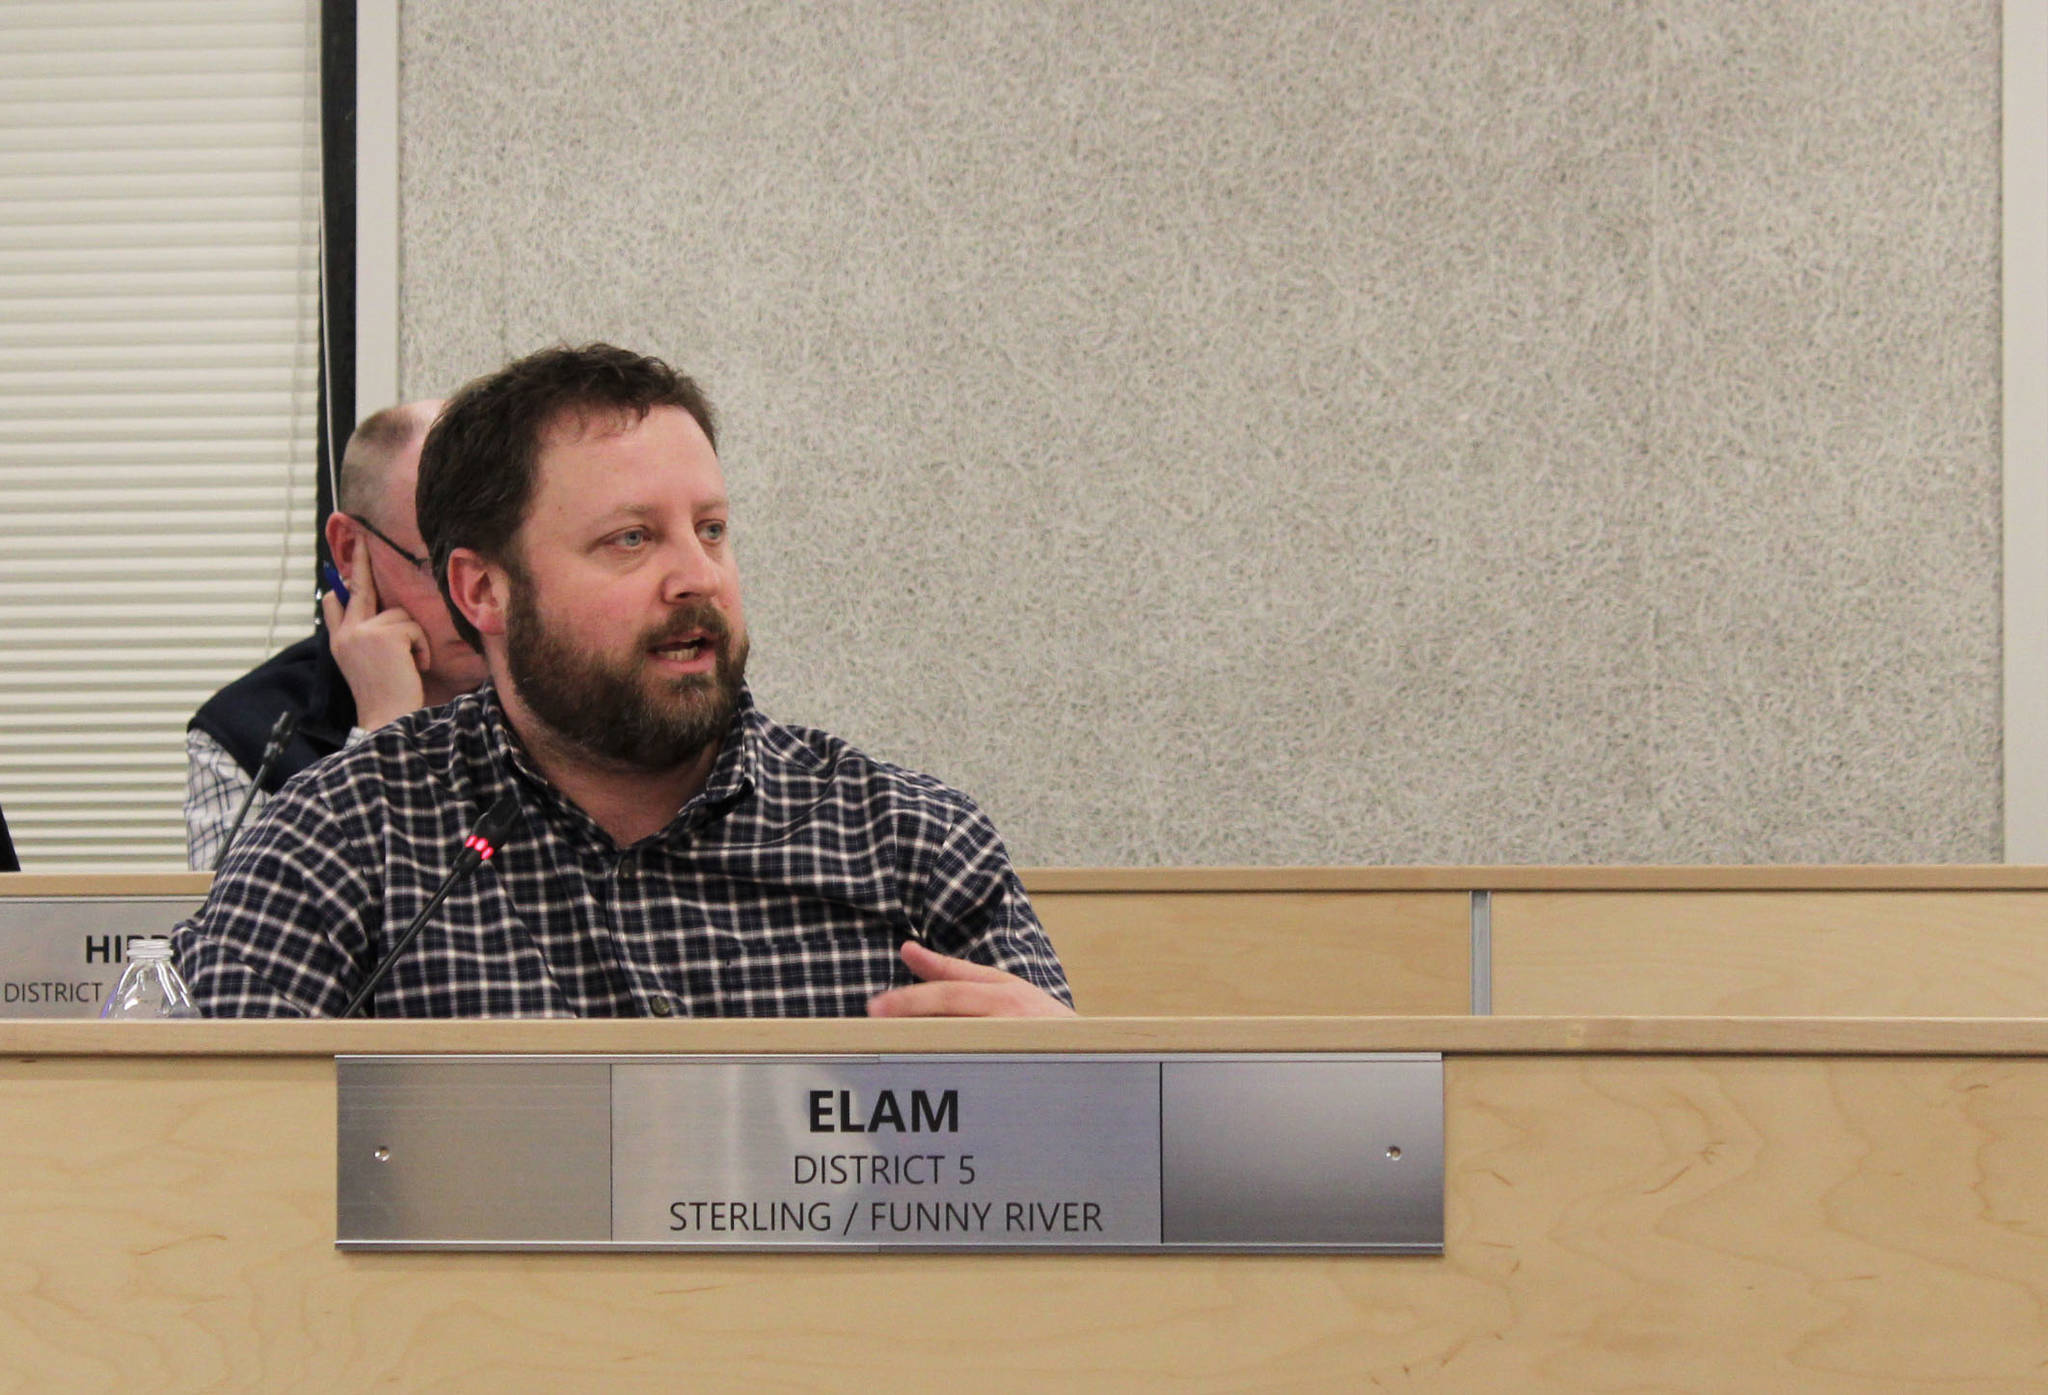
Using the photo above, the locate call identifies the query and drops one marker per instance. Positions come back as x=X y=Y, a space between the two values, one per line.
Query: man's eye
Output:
x=713 y=532
x=631 y=538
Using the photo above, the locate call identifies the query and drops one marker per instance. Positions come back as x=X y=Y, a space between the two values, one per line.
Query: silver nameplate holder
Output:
x=1331 y=1152
x=61 y=955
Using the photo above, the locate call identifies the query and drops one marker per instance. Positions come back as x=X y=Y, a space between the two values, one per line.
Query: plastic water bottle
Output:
x=149 y=986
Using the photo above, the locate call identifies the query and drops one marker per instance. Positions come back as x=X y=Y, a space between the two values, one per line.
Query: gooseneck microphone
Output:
x=281 y=732
x=479 y=847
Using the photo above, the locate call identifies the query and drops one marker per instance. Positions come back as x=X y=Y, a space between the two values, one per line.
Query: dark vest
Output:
x=303 y=678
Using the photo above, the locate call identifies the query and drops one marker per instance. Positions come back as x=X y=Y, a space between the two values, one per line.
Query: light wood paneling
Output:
x=1817 y=1223
x=1586 y=941
x=1825 y=1225
x=1209 y=952
x=1928 y=954
x=1221 y=953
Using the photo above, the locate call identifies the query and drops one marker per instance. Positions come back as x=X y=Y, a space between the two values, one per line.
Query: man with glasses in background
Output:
x=386 y=651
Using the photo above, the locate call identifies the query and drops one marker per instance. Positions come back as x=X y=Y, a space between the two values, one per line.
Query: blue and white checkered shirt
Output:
x=783 y=888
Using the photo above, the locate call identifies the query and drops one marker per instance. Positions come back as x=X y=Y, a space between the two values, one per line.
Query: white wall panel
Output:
x=1277 y=431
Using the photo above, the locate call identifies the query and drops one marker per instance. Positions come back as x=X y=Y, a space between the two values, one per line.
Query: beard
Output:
x=618 y=710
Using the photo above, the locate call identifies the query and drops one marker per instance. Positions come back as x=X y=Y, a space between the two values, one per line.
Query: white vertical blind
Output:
x=159 y=233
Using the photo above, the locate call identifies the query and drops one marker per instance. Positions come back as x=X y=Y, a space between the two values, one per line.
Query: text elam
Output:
x=839 y=1111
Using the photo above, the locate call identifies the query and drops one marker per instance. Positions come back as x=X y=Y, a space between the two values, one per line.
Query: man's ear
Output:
x=481 y=590
x=345 y=546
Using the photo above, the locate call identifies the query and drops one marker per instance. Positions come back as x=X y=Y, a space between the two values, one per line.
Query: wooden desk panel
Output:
x=1963 y=941
x=1302 y=952
x=1619 y=1220
x=1851 y=953
x=1141 y=953
x=1743 y=1224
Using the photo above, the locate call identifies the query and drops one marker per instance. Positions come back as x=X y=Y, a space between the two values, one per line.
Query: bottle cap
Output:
x=149 y=949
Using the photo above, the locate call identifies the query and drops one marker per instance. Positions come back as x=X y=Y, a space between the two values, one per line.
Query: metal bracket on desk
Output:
x=1482 y=953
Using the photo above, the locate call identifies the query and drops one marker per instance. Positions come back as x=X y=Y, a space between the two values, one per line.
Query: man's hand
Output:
x=380 y=653
x=959 y=988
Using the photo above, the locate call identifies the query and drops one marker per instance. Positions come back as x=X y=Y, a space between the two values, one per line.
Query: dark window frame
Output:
x=337 y=312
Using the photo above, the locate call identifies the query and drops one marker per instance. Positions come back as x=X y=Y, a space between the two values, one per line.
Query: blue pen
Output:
x=334 y=582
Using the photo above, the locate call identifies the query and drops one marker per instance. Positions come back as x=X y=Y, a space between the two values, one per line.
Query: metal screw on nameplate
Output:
x=382 y=1155
x=1394 y=1153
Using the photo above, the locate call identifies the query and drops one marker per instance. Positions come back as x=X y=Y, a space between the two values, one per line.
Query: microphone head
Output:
x=495 y=826
x=281 y=730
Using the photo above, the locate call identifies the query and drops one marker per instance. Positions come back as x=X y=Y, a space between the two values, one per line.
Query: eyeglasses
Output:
x=425 y=564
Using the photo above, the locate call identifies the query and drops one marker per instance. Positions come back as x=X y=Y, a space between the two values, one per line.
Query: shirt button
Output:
x=661 y=1007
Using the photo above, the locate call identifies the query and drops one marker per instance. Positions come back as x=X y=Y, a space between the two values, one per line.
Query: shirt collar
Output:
x=737 y=771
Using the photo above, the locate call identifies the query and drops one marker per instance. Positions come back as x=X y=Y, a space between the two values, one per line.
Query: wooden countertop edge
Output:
x=1768 y=1036
x=84 y=884
x=1929 y=877
x=1159 y=880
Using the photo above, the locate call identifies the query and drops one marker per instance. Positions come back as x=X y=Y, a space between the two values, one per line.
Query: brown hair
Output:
x=478 y=466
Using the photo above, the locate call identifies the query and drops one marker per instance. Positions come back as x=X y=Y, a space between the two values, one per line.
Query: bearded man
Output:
x=676 y=852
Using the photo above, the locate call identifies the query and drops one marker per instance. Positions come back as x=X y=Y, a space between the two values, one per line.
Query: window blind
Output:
x=160 y=181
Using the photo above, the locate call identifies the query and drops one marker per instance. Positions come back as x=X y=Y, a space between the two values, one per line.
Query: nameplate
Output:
x=61 y=955
x=1326 y=1152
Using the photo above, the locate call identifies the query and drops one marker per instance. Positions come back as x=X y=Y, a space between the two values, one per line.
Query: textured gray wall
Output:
x=1218 y=431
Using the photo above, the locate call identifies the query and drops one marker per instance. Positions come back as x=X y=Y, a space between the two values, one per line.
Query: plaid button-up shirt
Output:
x=783 y=888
